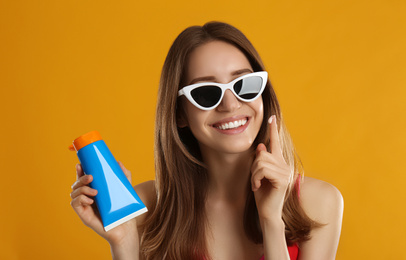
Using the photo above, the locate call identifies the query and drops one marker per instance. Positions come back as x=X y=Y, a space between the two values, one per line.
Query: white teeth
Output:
x=234 y=124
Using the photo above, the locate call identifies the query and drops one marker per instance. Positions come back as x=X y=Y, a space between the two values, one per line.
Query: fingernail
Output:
x=270 y=119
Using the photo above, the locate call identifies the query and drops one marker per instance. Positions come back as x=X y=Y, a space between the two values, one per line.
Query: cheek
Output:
x=258 y=107
x=195 y=117
x=193 y=123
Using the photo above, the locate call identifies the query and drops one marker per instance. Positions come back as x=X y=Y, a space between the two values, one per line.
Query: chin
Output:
x=235 y=148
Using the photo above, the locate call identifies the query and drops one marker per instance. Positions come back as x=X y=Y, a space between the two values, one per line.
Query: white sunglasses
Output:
x=208 y=95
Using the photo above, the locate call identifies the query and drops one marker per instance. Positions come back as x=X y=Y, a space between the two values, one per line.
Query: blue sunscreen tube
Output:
x=116 y=199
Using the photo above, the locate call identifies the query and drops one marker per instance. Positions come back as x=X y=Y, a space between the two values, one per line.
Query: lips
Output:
x=230 y=120
x=232 y=125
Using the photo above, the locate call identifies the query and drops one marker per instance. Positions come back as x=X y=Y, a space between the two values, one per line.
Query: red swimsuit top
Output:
x=293 y=252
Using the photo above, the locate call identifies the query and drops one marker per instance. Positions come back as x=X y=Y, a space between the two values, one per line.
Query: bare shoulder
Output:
x=321 y=200
x=147 y=193
x=324 y=204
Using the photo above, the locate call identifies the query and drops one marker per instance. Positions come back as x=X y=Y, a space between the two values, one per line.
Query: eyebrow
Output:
x=212 y=78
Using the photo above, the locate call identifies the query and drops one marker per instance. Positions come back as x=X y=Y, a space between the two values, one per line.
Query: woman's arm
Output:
x=128 y=247
x=323 y=203
x=270 y=179
x=274 y=240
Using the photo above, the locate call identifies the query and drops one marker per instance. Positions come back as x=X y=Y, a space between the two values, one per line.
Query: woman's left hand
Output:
x=271 y=177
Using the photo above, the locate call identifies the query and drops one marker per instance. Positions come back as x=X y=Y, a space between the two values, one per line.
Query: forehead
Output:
x=215 y=58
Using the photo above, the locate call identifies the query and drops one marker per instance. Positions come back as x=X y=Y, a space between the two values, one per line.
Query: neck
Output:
x=229 y=175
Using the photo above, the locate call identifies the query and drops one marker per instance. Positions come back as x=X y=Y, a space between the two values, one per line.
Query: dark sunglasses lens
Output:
x=248 y=88
x=206 y=96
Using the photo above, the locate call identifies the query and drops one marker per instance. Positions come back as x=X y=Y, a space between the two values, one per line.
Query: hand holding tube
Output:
x=84 y=206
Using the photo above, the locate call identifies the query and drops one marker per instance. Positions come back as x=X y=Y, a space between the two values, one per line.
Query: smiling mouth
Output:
x=231 y=124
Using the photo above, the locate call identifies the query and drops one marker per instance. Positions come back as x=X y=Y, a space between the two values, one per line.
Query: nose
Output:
x=229 y=103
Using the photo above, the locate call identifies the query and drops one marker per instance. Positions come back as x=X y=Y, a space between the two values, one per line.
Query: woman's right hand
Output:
x=84 y=205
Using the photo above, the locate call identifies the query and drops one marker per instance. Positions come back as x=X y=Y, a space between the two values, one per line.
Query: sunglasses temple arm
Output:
x=181 y=92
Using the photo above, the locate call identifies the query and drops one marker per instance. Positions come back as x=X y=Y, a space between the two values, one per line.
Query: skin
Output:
x=231 y=164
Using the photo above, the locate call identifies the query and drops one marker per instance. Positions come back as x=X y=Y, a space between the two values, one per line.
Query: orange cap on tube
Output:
x=84 y=140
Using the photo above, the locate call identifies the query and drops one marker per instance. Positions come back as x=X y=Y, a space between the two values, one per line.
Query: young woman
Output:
x=229 y=184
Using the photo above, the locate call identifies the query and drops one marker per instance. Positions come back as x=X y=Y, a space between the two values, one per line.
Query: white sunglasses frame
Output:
x=187 y=89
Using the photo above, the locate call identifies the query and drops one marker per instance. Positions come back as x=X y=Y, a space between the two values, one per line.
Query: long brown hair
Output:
x=176 y=227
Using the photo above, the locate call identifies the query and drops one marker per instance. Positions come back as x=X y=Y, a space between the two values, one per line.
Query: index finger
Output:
x=79 y=171
x=275 y=144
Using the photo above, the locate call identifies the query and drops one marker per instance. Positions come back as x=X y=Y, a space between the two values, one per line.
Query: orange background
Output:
x=69 y=67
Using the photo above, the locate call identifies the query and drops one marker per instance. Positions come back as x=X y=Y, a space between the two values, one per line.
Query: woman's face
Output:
x=221 y=62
